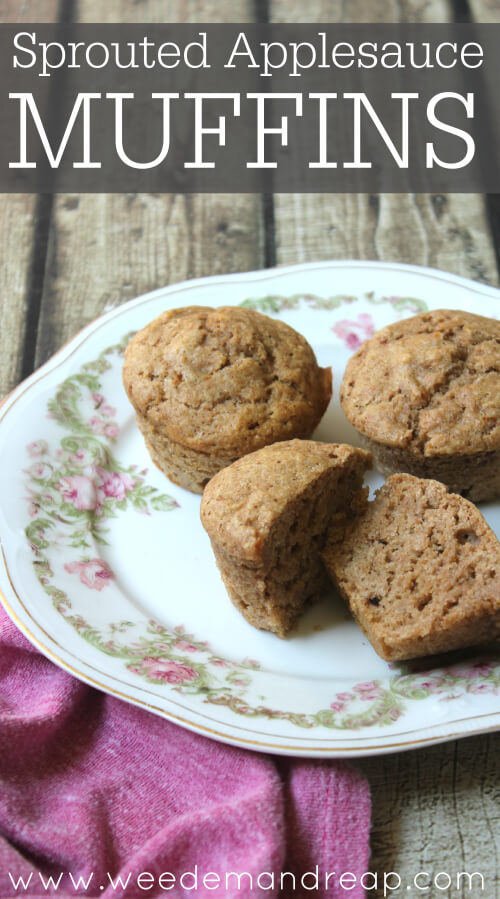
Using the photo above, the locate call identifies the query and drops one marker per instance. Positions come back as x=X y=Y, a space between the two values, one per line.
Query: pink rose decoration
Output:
x=337 y=706
x=37 y=448
x=165 y=670
x=38 y=469
x=487 y=687
x=108 y=411
x=97 y=424
x=80 y=457
x=483 y=668
x=368 y=690
x=100 y=426
x=354 y=332
x=79 y=491
x=365 y=687
x=95 y=573
x=112 y=484
x=184 y=647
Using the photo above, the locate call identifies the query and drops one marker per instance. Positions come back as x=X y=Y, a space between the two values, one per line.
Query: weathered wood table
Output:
x=67 y=258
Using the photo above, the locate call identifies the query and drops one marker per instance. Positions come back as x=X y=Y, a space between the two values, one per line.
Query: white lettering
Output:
x=200 y=130
x=323 y=136
x=362 y=100
x=262 y=130
x=431 y=157
x=28 y=101
x=119 y=98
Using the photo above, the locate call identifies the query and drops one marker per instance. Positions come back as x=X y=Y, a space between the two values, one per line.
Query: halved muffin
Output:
x=267 y=516
x=420 y=570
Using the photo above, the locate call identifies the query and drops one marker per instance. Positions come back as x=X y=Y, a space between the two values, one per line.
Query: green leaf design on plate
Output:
x=272 y=304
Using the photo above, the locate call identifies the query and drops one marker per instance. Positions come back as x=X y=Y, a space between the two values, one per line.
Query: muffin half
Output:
x=420 y=569
x=267 y=516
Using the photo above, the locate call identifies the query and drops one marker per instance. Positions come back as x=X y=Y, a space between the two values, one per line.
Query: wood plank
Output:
x=18 y=214
x=360 y=11
x=164 y=11
x=434 y=809
x=16 y=236
x=485 y=11
x=105 y=249
x=438 y=809
x=447 y=232
x=13 y=11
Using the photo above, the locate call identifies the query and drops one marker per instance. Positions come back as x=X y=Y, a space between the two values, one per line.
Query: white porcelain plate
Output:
x=106 y=568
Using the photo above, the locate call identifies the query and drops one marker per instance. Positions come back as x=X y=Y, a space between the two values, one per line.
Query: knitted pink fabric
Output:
x=90 y=785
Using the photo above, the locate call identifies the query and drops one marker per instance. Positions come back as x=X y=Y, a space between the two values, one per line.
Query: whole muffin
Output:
x=210 y=385
x=268 y=515
x=424 y=395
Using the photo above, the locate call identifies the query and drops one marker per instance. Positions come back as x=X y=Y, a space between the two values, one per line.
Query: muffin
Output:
x=267 y=516
x=424 y=394
x=210 y=385
x=420 y=570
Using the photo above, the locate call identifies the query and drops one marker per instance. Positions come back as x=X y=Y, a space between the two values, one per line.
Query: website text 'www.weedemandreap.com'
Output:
x=195 y=881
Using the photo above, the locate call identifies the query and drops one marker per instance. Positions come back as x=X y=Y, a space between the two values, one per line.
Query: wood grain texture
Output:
x=438 y=809
x=29 y=11
x=105 y=249
x=16 y=237
x=360 y=11
x=164 y=11
x=485 y=10
x=447 y=232
x=17 y=230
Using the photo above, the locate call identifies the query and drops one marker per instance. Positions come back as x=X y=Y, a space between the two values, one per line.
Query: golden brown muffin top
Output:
x=243 y=501
x=430 y=383
x=226 y=379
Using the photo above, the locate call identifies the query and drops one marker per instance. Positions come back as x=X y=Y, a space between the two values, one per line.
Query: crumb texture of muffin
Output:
x=267 y=516
x=210 y=385
x=420 y=570
x=424 y=394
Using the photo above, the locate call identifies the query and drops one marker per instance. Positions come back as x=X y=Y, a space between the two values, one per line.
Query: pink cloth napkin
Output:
x=92 y=785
